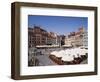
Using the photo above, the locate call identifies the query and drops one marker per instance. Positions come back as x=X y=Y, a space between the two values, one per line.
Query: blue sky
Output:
x=58 y=24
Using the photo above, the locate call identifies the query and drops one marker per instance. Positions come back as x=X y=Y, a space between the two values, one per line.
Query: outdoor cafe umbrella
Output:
x=67 y=58
x=60 y=53
x=82 y=52
x=54 y=53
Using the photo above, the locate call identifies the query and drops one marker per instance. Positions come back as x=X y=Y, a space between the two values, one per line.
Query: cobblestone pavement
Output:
x=84 y=62
x=44 y=59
